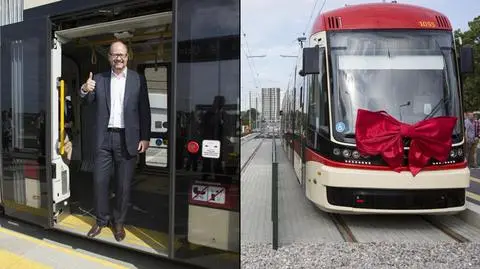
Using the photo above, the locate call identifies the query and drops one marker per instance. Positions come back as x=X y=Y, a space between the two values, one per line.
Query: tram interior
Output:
x=84 y=51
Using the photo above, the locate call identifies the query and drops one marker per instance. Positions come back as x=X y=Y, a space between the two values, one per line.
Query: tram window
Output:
x=26 y=118
x=318 y=102
x=298 y=111
x=157 y=81
x=313 y=103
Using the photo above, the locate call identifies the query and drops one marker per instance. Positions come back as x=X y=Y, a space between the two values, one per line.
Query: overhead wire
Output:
x=292 y=74
x=254 y=77
x=249 y=52
x=311 y=14
x=250 y=61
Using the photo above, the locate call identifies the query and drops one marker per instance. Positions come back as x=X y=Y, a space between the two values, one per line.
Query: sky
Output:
x=271 y=28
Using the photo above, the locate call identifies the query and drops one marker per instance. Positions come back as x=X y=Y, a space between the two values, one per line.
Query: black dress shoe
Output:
x=119 y=232
x=95 y=230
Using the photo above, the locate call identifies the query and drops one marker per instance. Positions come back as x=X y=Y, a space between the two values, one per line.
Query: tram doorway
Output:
x=79 y=51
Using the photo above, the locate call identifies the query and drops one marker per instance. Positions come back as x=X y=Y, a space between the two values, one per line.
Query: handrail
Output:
x=274 y=194
x=62 y=117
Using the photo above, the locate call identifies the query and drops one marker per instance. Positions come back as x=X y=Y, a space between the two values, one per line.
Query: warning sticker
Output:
x=200 y=193
x=216 y=195
x=211 y=149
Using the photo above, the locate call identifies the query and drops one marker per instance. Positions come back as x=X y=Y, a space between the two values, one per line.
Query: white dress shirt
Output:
x=117 y=92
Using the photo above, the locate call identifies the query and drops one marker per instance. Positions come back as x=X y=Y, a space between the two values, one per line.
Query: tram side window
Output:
x=298 y=111
x=318 y=121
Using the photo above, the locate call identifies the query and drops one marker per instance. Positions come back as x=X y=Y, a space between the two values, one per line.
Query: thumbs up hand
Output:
x=89 y=86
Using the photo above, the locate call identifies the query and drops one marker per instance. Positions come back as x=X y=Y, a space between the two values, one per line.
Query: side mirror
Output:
x=301 y=73
x=466 y=59
x=281 y=112
x=311 y=60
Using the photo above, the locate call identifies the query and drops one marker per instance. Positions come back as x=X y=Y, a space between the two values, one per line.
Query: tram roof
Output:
x=381 y=16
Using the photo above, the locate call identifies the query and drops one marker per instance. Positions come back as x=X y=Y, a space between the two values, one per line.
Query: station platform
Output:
x=29 y=246
x=256 y=191
x=299 y=220
x=473 y=193
x=292 y=207
x=20 y=251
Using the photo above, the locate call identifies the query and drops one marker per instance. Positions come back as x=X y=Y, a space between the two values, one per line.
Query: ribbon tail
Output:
x=393 y=155
x=415 y=170
x=416 y=158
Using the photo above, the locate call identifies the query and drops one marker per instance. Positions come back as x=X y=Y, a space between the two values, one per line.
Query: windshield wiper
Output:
x=442 y=102
x=400 y=109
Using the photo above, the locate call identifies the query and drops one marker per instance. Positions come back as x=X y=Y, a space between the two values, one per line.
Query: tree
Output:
x=246 y=117
x=471 y=82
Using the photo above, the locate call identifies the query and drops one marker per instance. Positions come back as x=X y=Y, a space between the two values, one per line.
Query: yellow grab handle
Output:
x=62 y=117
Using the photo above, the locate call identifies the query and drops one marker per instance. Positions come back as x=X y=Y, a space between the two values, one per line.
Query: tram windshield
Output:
x=409 y=74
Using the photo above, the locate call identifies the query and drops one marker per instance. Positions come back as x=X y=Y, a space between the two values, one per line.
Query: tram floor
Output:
x=146 y=226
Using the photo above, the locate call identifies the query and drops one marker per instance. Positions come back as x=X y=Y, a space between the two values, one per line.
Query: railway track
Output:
x=343 y=228
x=348 y=233
x=446 y=230
x=245 y=165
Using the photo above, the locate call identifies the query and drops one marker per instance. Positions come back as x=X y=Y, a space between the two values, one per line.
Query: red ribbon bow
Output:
x=379 y=133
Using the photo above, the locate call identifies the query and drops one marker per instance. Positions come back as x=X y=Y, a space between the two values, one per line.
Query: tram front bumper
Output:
x=357 y=191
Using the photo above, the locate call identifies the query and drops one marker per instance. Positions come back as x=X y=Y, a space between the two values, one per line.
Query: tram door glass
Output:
x=157 y=81
x=207 y=125
x=24 y=96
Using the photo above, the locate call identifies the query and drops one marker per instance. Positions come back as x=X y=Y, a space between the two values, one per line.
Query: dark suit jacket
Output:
x=69 y=116
x=136 y=108
x=69 y=111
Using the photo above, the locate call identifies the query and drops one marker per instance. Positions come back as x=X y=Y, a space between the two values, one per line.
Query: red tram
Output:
x=373 y=122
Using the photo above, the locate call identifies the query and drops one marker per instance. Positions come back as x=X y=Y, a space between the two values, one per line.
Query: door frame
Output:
x=172 y=132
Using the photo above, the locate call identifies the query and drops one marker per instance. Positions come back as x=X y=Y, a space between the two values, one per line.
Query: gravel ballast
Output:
x=362 y=255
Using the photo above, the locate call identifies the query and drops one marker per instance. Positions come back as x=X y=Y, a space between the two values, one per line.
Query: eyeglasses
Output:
x=118 y=55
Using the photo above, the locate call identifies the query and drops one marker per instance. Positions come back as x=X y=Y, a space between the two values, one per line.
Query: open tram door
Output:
x=76 y=52
x=30 y=183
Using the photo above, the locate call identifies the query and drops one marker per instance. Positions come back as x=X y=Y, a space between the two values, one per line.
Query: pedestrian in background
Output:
x=477 y=136
x=471 y=139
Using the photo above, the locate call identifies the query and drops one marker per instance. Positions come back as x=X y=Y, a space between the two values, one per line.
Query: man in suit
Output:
x=68 y=121
x=123 y=131
x=69 y=116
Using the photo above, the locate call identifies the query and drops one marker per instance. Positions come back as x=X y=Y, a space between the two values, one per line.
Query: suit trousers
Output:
x=113 y=154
